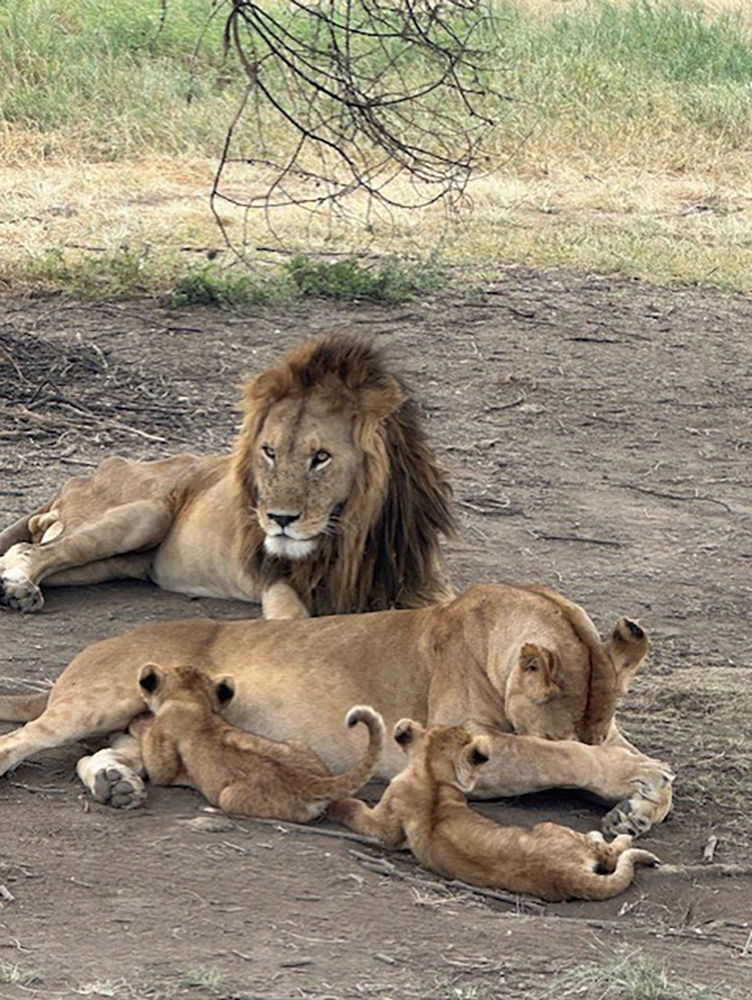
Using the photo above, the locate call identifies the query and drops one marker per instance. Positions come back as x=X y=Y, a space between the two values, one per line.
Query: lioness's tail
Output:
x=339 y=786
x=23 y=707
x=594 y=886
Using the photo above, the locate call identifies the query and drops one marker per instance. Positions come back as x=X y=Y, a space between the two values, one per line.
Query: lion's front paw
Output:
x=650 y=804
x=110 y=782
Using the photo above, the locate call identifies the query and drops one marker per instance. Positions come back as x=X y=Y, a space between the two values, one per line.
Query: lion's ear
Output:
x=378 y=404
x=150 y=678
x=408 y=734
x=225 y=689
x=537 y=673
x=628 y=647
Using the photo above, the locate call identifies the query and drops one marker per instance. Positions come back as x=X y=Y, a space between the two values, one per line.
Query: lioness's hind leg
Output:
x=57 y=726
x=114 y=775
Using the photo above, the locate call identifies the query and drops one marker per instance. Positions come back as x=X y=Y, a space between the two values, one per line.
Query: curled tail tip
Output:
x=364 y=713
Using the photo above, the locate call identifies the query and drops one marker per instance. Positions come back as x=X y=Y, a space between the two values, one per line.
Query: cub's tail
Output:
x=23 y=707
x=338 y=786
x=595 y=886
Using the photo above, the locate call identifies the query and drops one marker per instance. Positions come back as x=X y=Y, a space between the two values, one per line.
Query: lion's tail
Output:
x=23 y=707
x=595 y=886
x=339 y=786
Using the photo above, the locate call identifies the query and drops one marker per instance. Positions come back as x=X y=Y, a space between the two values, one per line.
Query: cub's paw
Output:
x=111 y=782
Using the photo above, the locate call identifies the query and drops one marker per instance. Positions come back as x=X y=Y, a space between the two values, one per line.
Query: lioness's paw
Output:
x=650 y=804
x=118 y=787
x=110 y=782
x=625 y=818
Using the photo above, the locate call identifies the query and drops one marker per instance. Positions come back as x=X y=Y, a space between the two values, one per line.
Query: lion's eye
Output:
x=320 y=458
x=268 y=452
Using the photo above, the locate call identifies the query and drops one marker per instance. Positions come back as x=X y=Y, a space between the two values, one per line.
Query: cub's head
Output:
x=312 y=455
x=186 y=684
x=450 y=754
x=547 y=698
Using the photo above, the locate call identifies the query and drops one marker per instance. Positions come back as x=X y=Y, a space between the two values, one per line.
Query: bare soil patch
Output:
x=599 y=437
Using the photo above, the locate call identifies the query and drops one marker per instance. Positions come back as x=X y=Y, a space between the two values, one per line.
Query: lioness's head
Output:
x=183 y=683
x=545 y=699
x=450 y=754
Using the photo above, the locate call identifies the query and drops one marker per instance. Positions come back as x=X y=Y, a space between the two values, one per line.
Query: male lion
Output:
x=425 y=808
x=188 y=743
x=331 y=503
x=458 y=663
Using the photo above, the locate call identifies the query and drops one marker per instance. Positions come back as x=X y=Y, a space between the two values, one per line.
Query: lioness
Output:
x=189 y=743
x=425 y=808
x=458 y=663
x=331 y=503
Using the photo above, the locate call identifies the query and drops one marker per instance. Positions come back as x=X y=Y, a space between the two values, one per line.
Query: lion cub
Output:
x=425 y=807
x=187 y=742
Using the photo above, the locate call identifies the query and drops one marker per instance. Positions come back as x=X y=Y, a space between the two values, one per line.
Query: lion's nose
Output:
x=282 y=519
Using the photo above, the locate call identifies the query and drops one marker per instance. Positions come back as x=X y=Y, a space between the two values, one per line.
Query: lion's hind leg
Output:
x=128 y=528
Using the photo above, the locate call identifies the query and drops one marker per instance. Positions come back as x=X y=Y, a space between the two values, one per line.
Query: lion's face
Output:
x=305 y=464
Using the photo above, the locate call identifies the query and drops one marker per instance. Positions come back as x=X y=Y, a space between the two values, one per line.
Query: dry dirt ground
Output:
x=599 y=436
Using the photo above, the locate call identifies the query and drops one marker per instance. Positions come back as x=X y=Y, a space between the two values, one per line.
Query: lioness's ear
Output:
x=408 y=732
x=537 y=673
x=149 y=677
x=225 y=689
x=628 y=647
x=478 y=752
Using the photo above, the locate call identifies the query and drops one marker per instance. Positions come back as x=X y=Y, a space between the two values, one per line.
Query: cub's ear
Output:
x=478 y=752
x=150 y=678
x=628 y=647
x=225 y=689
x=408 y=732
x=537 y=672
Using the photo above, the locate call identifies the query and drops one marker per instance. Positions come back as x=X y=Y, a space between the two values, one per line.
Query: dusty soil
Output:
x=598 y=434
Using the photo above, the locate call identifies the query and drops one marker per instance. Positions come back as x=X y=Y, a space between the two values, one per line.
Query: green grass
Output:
x=630 y=976
x=390 y=281
x=169 y=277
x=103 y=79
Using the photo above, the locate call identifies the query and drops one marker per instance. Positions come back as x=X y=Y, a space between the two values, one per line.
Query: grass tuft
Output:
x=631 y=976
x=391 y=281
x=13 y=973
x=202 y=977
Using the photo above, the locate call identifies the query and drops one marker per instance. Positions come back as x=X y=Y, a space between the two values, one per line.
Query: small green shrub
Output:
x=388 y=280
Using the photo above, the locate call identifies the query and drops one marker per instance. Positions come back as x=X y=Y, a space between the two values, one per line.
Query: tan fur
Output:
x=425 y=807
x=456 y=664
x=188 y=743
x=331 y=503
